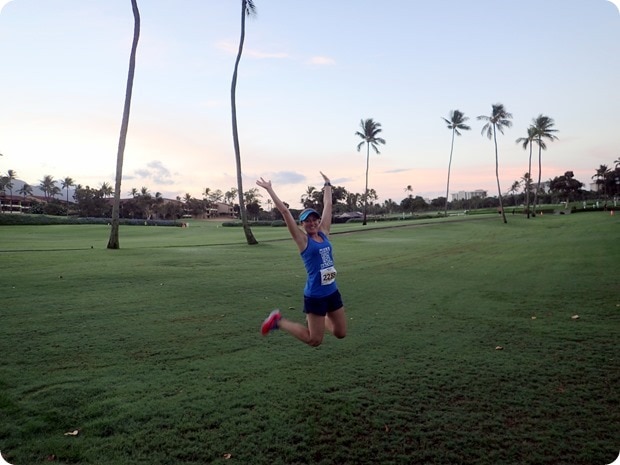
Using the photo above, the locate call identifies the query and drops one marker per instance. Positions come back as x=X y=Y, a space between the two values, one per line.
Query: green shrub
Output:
x=27 y=219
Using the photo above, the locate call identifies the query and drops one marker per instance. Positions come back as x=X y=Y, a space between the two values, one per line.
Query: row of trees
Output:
x=95 y=202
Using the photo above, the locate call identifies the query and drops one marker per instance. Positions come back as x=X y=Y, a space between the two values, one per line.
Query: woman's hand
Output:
x=264 y=184
x=325 y=178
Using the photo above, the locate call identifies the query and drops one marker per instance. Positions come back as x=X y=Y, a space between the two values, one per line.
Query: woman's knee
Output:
x=314 y=341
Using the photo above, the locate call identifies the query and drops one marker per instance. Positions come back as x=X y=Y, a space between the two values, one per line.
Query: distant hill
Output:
x=18 y=184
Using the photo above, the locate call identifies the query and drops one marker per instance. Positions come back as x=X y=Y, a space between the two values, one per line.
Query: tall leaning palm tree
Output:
x=369 y=133
x=528 y=142
x=113 y=242
x=456 y=123
x=497 y=121
x=543 y=126
x=247 y=9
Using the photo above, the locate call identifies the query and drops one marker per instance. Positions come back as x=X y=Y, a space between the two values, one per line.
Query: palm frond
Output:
x=487 y=128
x=249 y=7
x=541 y=143
x=543 y=126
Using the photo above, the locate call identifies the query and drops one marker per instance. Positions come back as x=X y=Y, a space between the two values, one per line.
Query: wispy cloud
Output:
x=155 y=171
x=321 y=61
x=398 y=170
x=287 y=177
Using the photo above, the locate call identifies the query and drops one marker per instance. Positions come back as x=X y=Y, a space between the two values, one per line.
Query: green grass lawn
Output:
x=153 y=352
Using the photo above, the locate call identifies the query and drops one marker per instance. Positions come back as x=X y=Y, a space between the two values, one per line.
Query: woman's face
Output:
x=311 y=224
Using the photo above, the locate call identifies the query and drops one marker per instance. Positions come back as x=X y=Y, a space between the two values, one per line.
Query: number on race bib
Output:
x=328 y=276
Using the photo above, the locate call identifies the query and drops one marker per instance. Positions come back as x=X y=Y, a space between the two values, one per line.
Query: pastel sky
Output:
x=310 y=72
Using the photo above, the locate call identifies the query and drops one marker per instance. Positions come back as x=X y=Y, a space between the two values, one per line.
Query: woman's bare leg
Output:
x=311 y=335
x=336 y=323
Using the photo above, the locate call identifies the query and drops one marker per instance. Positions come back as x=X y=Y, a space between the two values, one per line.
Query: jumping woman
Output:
x=322 y=301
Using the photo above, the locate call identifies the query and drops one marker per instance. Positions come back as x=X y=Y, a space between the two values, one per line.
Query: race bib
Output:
x=328 y=276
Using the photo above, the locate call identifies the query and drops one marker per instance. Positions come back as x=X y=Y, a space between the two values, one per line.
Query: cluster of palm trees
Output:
x=540 y=130
x=499 y=119
x=608 y=180
x=47 y=185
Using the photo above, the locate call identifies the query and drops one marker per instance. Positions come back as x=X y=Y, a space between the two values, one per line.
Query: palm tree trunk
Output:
x=366 y=188
x=113 y=242
x=539 y=173
x=449 y=166
x=499 y=190
x=251 y=240
x=528 y=182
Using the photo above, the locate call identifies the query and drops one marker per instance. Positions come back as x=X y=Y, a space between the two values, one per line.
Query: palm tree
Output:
x=3 y=182
x=514 y=189
x=158 y=204
x=368 y=134
x=48 y=186
x=528 y=141
x=25 y=190
x=229 y=196
x=66 y=184
x=133 y=192
x=455 y=123
x=10 y=176
x=544 y=129
x=247 y=9
x=106 y=189
x=498 y=120
x=526 y=180
x=113 y=242
x=601 y=176
x=307 y=199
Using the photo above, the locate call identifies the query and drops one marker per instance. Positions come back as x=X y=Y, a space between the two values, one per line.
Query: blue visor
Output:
x=307 y=212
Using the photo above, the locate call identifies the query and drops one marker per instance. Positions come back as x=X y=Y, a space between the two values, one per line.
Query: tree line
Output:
x=143 y=204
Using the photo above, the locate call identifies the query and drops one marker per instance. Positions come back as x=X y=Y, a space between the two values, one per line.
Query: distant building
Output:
x=467 y=195
x=19 y=204
x=224 y=209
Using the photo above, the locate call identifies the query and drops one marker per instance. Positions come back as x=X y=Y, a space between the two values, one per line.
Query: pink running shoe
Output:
x=271 y=322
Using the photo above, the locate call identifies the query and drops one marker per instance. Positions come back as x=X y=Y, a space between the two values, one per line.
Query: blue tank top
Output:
x=319 y=263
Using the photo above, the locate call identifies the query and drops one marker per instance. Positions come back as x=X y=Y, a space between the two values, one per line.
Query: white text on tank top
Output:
x=328 y=272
